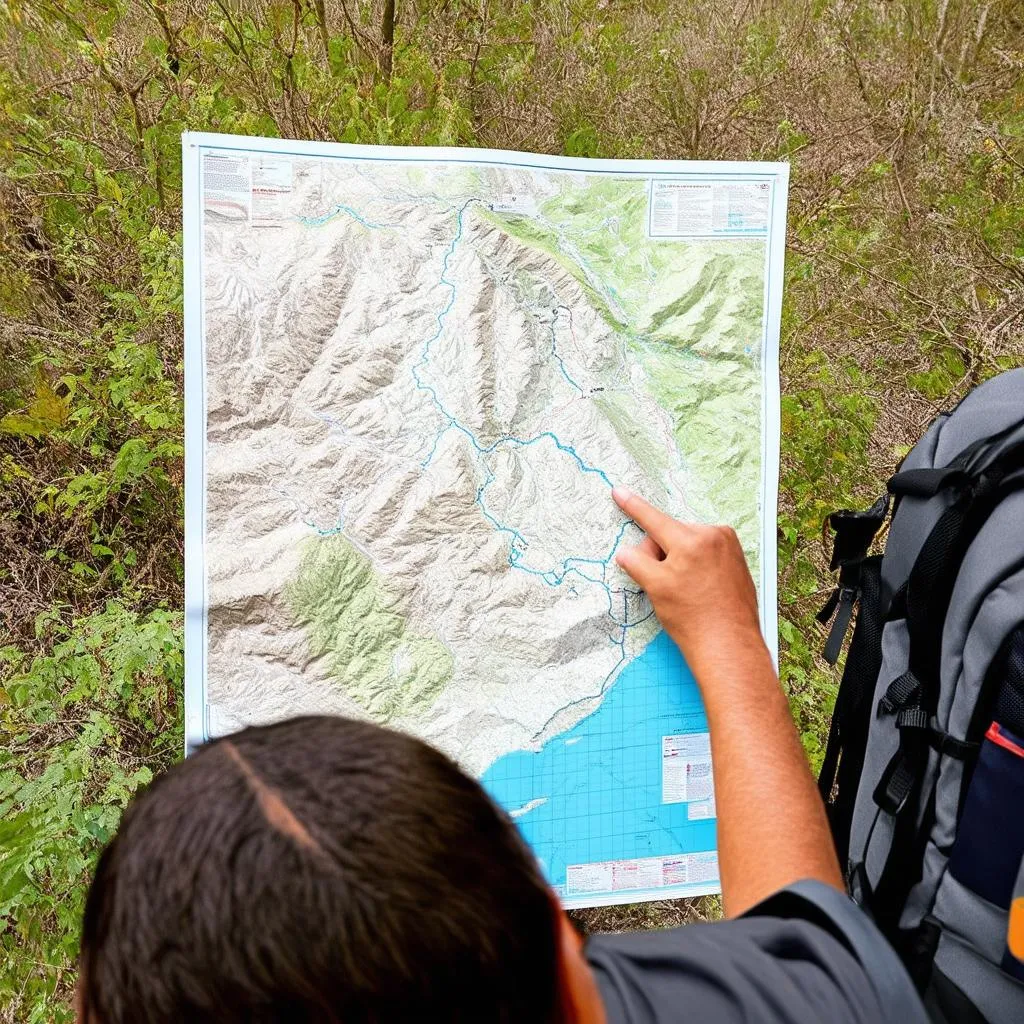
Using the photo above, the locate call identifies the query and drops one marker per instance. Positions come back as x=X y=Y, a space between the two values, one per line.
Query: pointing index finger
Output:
x=651 y=520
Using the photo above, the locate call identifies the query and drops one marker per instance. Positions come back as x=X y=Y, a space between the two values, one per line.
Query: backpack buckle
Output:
x=855 y=531
x=901 y=693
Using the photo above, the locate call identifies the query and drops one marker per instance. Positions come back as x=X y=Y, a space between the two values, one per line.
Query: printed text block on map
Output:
x=412 y=378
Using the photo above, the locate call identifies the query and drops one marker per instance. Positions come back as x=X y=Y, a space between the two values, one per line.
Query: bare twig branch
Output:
x=387 y=39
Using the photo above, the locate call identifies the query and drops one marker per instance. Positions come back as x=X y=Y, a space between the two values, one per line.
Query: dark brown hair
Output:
x=318 y=870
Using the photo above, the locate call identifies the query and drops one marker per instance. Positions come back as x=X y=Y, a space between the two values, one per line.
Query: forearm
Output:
x=772 y=829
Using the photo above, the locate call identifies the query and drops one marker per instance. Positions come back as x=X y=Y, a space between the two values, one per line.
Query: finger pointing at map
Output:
x=696 y=577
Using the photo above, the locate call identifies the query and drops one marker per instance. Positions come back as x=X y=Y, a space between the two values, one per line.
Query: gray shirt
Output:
x=806 y=954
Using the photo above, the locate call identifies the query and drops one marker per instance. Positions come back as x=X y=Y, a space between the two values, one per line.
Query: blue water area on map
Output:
x=601 y=780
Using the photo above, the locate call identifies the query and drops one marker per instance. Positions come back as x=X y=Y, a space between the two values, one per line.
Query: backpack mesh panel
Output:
x=1009 y=710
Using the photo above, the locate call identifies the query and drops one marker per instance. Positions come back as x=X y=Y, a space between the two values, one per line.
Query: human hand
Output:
x=697 y=579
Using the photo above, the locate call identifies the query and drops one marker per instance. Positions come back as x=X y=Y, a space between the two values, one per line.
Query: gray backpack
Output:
x=923 y=775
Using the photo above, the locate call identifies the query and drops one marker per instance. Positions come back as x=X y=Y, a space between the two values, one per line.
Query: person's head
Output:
x=322 y=870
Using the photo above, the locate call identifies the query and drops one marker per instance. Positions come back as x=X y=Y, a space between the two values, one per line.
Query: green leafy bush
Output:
x=86 y=725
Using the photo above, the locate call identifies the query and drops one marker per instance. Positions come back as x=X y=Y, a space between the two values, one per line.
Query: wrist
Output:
x=723 y=639
x=731 y=655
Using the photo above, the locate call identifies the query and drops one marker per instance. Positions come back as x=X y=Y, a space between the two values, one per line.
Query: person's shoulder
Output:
x=806 y=953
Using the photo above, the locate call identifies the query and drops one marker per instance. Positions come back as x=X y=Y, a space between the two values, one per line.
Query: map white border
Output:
x=193 y=146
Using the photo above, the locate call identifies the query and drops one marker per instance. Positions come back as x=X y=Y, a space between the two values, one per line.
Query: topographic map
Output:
x=413 y=377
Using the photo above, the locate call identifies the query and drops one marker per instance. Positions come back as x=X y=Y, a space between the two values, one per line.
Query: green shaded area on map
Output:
x=351 y=620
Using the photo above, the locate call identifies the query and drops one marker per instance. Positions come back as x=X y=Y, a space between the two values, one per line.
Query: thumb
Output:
x=638 y=565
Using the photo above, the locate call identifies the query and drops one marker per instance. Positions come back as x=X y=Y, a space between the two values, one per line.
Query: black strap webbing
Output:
x=859 y=584
x=854 y=532
x=842 y=603
x=844 y=755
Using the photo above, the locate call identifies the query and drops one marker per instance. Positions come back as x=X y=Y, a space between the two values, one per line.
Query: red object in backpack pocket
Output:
x=990 y=836
x=1001 y=738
